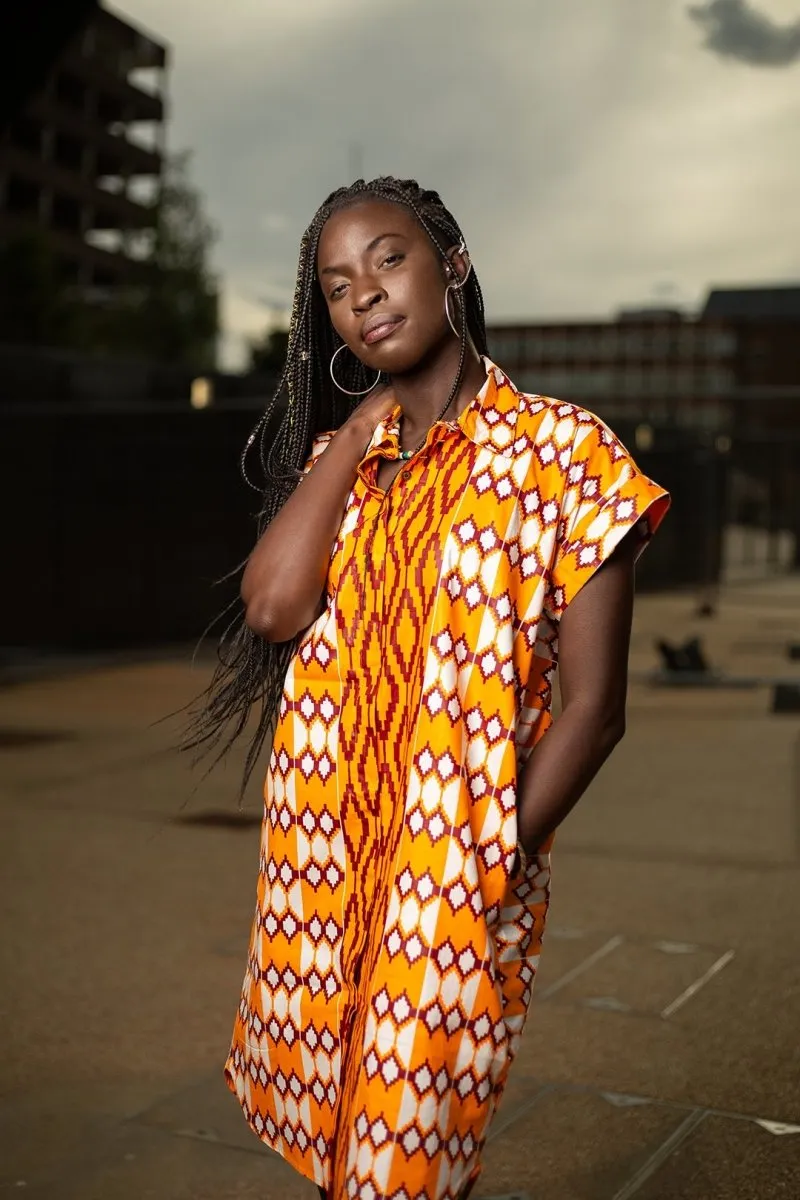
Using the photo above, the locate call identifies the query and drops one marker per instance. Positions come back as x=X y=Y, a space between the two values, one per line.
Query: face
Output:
x=384 y=283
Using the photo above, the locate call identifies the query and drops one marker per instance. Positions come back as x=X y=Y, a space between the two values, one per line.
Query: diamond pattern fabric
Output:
x=394 y=949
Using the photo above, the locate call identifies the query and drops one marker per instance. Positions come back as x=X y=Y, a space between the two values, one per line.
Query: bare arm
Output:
x=594 y=639
x=284 y=580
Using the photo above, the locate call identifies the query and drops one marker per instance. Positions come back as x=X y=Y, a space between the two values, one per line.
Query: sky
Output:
x=596 y=156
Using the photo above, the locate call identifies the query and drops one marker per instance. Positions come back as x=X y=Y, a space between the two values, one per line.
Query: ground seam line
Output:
x=661 y=1155
x=607 y=948
x=694 y=988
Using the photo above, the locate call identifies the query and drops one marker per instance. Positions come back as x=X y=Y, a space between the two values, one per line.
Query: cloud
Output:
x=735 y=29
x=588 y=150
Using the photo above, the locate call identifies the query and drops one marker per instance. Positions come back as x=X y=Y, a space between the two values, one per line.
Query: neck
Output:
x=421 y=393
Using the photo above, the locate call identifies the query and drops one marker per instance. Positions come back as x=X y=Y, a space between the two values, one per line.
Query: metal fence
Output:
x=118 y=521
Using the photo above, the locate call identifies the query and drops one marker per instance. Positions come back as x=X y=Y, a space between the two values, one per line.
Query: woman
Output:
x=406 y=607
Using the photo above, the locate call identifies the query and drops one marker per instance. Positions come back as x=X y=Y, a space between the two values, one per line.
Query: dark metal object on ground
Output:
x=786 y=697
x=680 y=660
x=687 y=666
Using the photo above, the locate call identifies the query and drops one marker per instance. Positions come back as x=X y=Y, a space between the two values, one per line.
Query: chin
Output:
x=400 y=359
x=391 y=360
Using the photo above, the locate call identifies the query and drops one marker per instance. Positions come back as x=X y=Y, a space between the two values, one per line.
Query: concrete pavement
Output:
x=662 y=1058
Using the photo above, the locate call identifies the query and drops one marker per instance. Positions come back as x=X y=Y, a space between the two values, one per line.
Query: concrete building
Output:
x=82 y=159
x=735 y=365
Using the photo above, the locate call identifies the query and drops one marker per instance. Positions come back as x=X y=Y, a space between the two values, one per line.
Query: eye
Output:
x=337 y=292
x=393 y=259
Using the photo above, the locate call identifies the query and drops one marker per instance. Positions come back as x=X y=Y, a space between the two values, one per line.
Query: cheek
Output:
x=425 y=297
x=340 y=318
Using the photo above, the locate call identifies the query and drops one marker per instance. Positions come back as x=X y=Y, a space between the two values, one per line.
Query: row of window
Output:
x=708 y=417
x=631 y=382
x=528 y=345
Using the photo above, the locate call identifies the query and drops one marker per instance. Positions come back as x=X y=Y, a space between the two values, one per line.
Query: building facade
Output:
x=736 y=363
x=81 y=163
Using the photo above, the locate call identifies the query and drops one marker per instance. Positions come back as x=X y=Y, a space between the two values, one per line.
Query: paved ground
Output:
x=663 y=1055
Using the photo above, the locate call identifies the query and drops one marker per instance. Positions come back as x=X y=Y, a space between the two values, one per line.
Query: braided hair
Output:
x=249 y=674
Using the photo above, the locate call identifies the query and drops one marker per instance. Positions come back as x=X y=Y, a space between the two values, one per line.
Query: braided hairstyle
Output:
x=250 y=673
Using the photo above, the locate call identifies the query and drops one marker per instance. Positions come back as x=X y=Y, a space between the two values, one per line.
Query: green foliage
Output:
x=269 y=355
x=176 y=317
x=34 y=308
x=171 y=313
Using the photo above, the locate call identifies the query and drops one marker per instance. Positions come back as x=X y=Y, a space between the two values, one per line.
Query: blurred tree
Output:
x=34 y=308
x=269 y=354
x=179 y=319
x=171 y=315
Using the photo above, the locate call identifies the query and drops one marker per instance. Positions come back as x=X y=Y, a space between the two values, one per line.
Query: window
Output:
x=584 y=346
x=596 y=382
x=719 y=380
x=530 y=381
x=659 y=381
x=683 y=380
x=660 y=343
x=633 y=343
x=608 y=344
x=498 y=345
x=629 y=381
x=723 y=342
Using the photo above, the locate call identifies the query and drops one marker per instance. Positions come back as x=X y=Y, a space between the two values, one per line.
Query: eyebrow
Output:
x=372 y=246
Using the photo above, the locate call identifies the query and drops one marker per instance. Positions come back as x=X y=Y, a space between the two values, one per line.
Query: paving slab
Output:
x=727 y=1160
x=139 y=1163
x=126 y=898
x=577 y=1145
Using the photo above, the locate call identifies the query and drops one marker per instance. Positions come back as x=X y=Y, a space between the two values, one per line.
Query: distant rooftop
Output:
x=651 y=313
x=755 y=303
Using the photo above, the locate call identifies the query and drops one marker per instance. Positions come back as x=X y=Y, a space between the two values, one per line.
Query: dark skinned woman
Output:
x=433 y=544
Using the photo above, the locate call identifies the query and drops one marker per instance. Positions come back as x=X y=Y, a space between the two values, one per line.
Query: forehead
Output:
x=350 y=230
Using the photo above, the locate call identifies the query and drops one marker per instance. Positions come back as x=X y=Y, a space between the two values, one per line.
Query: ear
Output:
x=458 y=264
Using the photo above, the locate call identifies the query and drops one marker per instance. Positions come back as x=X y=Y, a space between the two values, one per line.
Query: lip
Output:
x=380 y=326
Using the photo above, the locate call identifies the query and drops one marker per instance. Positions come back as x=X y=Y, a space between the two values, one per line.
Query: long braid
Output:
x=249 y=675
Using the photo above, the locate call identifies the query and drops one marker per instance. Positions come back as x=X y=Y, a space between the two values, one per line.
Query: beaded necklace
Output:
x=405 y=455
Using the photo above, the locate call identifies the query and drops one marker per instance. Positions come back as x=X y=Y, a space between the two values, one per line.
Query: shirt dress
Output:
x=394 y=948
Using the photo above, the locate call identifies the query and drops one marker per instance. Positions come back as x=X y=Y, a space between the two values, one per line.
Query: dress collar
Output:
x=489 y=420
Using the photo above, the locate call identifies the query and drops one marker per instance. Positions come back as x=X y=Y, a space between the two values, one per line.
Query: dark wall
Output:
x=34 y=34
x=116 y=524
x=688 y=549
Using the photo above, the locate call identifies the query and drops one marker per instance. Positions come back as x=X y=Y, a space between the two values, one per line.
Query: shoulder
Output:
x=538 y=418
x=568 y=442
x=545 y=418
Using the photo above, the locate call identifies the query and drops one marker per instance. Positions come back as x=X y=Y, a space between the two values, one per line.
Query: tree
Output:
x=34 y=308
x=268 y=355
x=169 y=315
x=174 y=316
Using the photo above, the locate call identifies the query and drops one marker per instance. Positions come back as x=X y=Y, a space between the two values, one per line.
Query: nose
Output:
x=365 y=295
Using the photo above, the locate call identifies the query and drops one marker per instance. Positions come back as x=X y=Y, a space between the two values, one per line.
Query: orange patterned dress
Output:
x=394 y=950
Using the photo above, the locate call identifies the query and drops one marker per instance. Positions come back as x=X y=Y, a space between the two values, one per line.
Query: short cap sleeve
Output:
x=605 y=497
x=319 y=445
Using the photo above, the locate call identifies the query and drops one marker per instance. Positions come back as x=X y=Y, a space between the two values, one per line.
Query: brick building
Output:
x=82 y=158
x=735 y=365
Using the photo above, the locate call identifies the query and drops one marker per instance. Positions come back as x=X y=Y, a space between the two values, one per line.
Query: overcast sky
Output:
x=595 y=154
